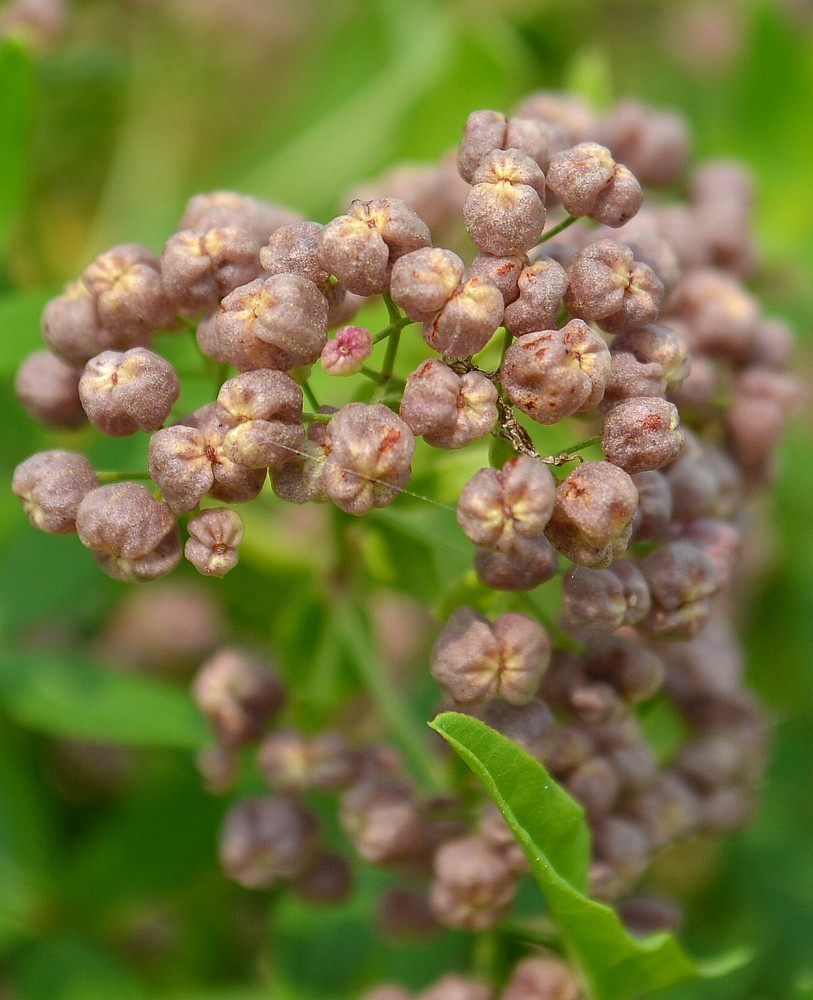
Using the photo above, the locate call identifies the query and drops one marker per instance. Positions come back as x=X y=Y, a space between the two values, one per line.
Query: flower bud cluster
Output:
x=632 y=333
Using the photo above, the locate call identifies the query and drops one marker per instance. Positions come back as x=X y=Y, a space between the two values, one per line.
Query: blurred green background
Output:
x=112 y=114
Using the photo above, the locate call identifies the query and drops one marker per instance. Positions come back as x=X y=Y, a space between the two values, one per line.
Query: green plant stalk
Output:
x=408 y=733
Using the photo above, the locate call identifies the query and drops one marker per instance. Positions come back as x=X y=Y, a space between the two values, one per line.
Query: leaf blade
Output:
x=615 y=965
x=80 y=700
x=567 y=847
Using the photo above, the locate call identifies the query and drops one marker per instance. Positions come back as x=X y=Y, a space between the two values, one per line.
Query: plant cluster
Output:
x=582 y=310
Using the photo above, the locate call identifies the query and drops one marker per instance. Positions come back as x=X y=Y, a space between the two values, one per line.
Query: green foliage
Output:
x=551 y=829
x=19 y=322
x=102 y=139
x=68 y=697
x=16 y=105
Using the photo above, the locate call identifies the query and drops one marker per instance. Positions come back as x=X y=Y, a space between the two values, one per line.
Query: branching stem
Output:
x=558 y=229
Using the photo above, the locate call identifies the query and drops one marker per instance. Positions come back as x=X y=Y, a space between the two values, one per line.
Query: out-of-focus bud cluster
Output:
x=578 y=302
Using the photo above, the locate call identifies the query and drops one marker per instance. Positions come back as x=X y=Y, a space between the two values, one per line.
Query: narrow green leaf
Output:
x=352 y=630
x=16 y=102
x=548 y=821
x=551 y=829
x=373 y=116
x=71 y=698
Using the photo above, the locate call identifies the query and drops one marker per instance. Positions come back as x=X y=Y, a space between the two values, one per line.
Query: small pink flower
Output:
x=347 y=352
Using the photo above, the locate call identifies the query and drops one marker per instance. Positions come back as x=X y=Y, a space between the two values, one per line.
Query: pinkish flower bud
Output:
x=681 y=579
x=423 y=281
x=266 y=839
x=48 y=388
x=238 y=693
x=213 y=539
x=71 y=326
x=474 y=661
x=219 y=209
x=592 y=518
x=474 y=885
x=593 y=599
x=497 y=505
x=200 y=268
x=446 y=409
x=187 y=461
x=133 y=536
x=540 y=288
x=370 y=454
x=552 y=374
x=468 y=320
x=523 y=566
x=264 y=409
x=294 y=249
x=275 y=322
x=51 y=485
x=487 y=131
x=504 y=213
x=125 y=392
x=502 y=272
x=606 y=284
x=347 y=352
x=642 y=434
x=658 y=344
x=361 y=247
x=292 y=762
x=130 y=299
x=542 y=979
x=589 y=182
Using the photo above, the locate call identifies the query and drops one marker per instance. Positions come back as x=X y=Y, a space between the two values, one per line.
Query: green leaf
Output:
x=64 y=967
x=238 y=993
x=353 y=632
x=20 y=324
x=550 y=821
x=372 y=115
x=16 y=102
x=551 y=829
x=27 y=842
x=589 y=75
x=72 y=698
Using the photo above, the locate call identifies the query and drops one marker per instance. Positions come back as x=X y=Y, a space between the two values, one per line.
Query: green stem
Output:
x=380 y=378
x=311 y=398
x=317 y=418
x=393 y=311
x=190 y=324
x=122 y=477
x=409 y=734
x=395 y=327
x=581 y=445
x=558 y=229
x=389 y=358
x=386 y=377
x=397 y=321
